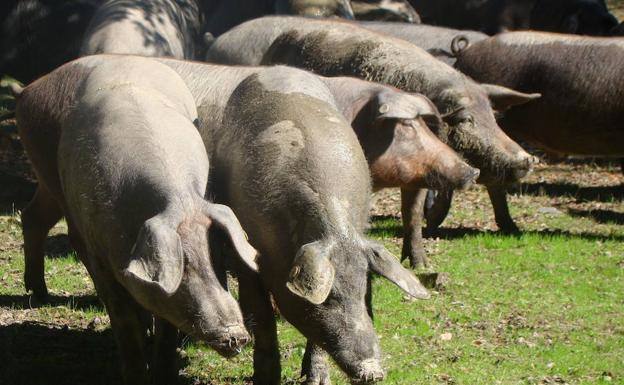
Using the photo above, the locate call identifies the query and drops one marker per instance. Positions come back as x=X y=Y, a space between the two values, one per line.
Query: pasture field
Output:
x=545 y=307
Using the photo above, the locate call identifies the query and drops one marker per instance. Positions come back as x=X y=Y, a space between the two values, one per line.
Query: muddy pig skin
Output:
x=115 y=150
x=290 y=166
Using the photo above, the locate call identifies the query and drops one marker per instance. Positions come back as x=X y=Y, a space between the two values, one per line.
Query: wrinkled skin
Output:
x=139 y=224
x=291 y=167
x=333 y=48
x=385 y=10
x=401 y=150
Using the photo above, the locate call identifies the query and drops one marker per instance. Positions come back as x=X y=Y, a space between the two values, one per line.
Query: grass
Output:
x=546 y=307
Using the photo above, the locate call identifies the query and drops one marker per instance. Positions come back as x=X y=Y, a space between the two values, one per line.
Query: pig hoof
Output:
x=38 y=288
x=509 y=229
x=416 y=256
x=322 y=380
x=317 y=375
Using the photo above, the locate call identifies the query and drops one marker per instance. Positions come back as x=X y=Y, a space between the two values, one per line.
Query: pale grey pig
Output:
x=115 y=150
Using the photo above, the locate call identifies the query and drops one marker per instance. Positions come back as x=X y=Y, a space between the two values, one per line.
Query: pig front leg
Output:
x=412 y=206
x=164 y=368
x=314 y=367
x=41 y=214
x=498 y=197
x=128 y=323
x=437 y=208
x=258 y=312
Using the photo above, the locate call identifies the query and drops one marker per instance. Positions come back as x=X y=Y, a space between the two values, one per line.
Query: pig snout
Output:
x=524 y=165
x=470 y=177
x=231 y=340
x=368 y=372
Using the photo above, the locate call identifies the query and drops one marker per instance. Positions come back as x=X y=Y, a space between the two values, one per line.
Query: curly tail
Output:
x=458 y=44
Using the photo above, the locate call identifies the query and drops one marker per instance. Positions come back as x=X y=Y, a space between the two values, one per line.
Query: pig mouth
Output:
x=368 y=372
x=229 y=347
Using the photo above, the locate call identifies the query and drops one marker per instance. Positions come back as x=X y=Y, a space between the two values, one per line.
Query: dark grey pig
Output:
x=115 y=150
x=335 y=48
x=145 y=27
x=438 y=41
x=581 y=109
x=291 y=167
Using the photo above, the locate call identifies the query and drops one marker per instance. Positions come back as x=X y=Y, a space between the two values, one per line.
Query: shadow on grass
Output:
x=590 y=194
x=41 y=354
x=394 y=229
x=58 y=246
x=26 y=301
x=600 y=216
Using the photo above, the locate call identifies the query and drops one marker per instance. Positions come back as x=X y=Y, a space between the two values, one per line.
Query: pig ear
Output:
x=504 y=98
x=223 y=217
x=401 y=105
x=157 y=261
x=382 y=262
x=312 y=274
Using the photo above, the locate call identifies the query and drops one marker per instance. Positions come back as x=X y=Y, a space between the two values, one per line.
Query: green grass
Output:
x=546 y=307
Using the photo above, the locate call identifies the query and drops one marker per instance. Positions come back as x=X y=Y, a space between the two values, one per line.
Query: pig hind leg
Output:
x=41 y=214
x=128 y=323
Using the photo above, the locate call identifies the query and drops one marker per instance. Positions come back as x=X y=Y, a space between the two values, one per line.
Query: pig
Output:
x=290 y=166
x=333 y=48
x=580 y=112
x=440 y=42
x=401 y=150
x=146 y=27
x=115 y=150
x=36 y=36
x=385 y=10
x=226 y=14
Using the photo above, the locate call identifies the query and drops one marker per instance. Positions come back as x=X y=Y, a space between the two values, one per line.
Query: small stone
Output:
x=446 y=336
x=549 y=211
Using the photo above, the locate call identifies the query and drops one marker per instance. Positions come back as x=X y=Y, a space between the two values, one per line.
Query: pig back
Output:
x=291 y=167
